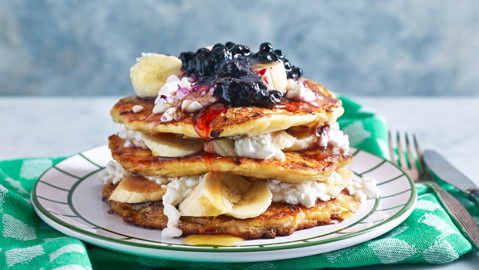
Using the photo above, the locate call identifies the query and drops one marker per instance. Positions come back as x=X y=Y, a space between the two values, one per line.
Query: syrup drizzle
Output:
x=203 y=119
x=298 y=106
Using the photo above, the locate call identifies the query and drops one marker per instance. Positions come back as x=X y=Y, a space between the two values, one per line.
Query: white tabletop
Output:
x=60 y=126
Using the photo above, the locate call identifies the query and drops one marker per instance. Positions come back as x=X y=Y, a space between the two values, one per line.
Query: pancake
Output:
x=249 y=121
x=239 y=144
x=279 y=219
x=309 y=165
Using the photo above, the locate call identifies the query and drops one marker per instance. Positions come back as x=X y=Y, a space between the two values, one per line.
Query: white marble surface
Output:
x=60 y=126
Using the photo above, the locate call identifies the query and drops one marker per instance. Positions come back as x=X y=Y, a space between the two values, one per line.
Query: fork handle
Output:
x=459 y=214
x=474 y=196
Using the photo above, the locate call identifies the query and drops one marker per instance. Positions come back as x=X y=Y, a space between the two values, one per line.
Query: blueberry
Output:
x=266 y=47
x=218 y=45
x=298 y=71
x=246 y=50
x=221 y=92
x=266 y=99
x=265 y=57
x=279 y=54
x=187 y=56
x=287 y=64
x=202 y=51
x=240 y=92
x=232 y=69
x=229 y=45
x=268 y=57
x=294 y=73
x=186 y=62
x=238 y=50
x=261 y=57
x=201 y=62
x=220 y=54
x=275 y=96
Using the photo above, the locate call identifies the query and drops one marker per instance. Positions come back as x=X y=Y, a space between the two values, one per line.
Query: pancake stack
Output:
x=226 y=141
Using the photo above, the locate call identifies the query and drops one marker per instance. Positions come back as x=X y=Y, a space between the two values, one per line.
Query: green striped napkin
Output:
x=427 y=236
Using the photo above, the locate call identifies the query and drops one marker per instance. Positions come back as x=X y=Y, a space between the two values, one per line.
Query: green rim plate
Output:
x=67 y=197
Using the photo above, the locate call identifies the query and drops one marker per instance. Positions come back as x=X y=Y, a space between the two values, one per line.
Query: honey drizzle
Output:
x=224 y=240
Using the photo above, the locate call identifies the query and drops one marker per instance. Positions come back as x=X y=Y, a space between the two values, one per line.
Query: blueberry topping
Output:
x=265 y=57
x=279 y=54
x=275 y=96
x=229 y=45
x=247 y=52
x=287 y=65
x=294 y=73
x=267 y=54
x=266 y=47
x=218 y=45
x=239 y=92
x=240 y=50
x=219 y=55
x=227 y=69
x=187 y=62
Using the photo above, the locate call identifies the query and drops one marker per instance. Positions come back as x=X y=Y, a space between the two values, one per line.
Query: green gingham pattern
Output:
x=427 y=236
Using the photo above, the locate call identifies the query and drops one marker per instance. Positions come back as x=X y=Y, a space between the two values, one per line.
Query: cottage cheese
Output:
x=264 y=146
x=158 y=179
x=132 y=138
x=334 y=137
x=191 y=106
x=305 y=193
x=176 y=191
x=112 y=174
x=168 y=115
x=137 y=108
x=181 y=95
x=298 y=90
x=364 y=189
x=172 y=93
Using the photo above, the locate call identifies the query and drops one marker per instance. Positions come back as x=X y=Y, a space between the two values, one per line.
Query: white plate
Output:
x=67 y=197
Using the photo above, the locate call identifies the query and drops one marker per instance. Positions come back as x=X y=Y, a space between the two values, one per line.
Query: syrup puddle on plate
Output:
x=212 y=240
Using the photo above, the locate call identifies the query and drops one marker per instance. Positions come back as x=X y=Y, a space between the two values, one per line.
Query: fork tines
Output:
x=405 y=160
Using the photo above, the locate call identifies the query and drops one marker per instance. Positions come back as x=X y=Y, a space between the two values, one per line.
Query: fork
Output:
x=407 y=161
x=420 y=174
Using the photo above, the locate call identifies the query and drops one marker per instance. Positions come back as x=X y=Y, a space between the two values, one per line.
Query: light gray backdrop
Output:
x=352 y=47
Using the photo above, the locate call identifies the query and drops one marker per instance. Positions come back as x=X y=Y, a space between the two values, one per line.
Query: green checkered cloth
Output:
x=427 y=236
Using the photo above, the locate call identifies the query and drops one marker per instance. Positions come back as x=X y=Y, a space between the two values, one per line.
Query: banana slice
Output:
x=346 y=174
x=170 y=145
x=335 y=186
x=273 y=74
x=206 y=200
x=254 y=201
x=222 y=147
x=282 y=140
x=304 y=138
x=234 y=186
x=233 y=195
x=137 y=189
x=150 y=72
x=215 y=195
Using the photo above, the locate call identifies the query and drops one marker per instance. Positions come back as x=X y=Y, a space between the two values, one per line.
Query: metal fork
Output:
x=420 y=174
x=407 y=162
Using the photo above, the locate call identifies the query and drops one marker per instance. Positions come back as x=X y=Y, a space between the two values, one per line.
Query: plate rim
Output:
x=401 y=214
